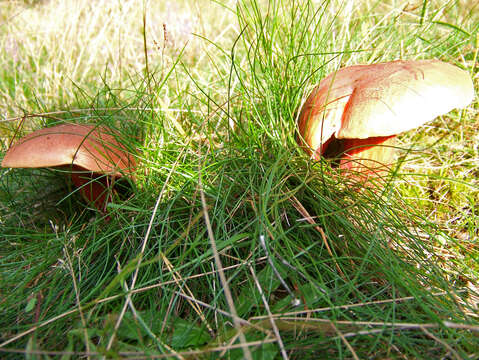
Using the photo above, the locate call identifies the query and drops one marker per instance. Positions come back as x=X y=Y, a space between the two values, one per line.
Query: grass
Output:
x=207 y=92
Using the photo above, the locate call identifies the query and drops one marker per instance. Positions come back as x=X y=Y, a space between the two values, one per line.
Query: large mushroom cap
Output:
x=90 y=147
x=383 y=99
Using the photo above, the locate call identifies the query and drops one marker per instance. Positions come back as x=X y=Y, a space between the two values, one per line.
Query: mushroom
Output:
x=92 y=153
x=361 y=106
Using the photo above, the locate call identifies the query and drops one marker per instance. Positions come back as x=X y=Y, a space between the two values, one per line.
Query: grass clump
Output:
x=316 y=269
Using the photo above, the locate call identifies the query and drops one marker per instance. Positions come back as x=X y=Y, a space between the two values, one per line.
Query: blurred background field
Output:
x=208 y=93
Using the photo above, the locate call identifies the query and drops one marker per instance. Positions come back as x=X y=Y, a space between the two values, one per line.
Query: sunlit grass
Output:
x=208 y=93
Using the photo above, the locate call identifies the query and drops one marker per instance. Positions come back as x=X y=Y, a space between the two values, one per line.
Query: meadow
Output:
x=231 y=242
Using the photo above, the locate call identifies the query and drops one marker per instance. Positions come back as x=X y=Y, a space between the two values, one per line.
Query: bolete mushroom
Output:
x=361 y=106
x=91 y=152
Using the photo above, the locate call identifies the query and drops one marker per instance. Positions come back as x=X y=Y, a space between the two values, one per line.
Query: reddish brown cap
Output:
x=90 y=147
x=383 y=99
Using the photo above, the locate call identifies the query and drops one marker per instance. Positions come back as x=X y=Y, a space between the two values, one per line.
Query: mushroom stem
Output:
x=95 y=189
x=370 y=155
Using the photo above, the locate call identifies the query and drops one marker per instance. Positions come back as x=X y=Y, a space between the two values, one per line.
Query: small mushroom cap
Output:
x=90 y=147
x=383 y=99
